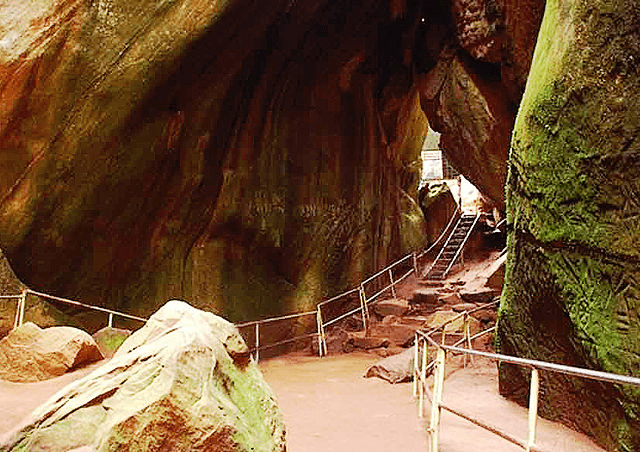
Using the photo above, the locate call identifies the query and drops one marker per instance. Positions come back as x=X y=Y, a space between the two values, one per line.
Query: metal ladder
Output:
x=453 y=247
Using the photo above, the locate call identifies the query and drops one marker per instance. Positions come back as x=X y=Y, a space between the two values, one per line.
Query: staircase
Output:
x=452 y=249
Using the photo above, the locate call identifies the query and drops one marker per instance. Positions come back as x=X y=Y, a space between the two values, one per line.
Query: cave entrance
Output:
x=436 y=169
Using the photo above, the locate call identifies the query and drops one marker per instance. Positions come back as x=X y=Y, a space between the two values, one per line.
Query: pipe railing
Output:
x=445 y=244
x=364 y=303
x=22 y=301
x=462 y=245
x=421 y=366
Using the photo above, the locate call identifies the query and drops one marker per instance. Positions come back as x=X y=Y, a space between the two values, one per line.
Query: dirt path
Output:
x=17 y=400
x=327 y=405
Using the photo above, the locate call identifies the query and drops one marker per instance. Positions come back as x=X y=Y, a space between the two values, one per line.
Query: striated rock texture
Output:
x=182 y=382
x=30 y=353
x=572 y=279
x=249 y=156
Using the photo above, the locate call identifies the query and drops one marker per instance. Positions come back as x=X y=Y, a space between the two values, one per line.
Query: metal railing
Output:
x=365 y=301
x=22 y=301
x=460 y=248
x=421 y=366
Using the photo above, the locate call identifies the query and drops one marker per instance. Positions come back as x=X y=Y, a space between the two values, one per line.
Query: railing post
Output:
x=322 y=342
x=438 y=386
x=423 y=378
x=257 y=342
x=415 y=264
x=533 y=407
x=16 y=321
x=467 y=338
x=23 y=302
x=393 y=289
x=110 y=322
x=363 y=307
x=416 y=354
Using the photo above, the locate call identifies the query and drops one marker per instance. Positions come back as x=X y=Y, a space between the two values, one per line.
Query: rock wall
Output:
x=249 y=157
x=572 y=278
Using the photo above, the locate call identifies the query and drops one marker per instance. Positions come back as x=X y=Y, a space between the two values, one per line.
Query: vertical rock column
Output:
x=572 y=282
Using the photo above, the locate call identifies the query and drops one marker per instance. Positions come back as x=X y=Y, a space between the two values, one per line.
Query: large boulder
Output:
x=438 y=205
x=572 y=276
x=184 y=381
x=30 y=353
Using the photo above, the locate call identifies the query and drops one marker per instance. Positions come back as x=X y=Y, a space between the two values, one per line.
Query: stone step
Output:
x=392 y=306
x=483 y=295
x=428 y=283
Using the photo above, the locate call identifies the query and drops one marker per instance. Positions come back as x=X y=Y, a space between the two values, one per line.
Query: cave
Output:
x=255 y=157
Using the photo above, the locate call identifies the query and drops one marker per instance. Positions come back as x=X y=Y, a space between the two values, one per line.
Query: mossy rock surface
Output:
x=572 y=280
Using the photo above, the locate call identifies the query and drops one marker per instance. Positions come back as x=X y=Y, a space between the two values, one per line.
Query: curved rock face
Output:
x=182 y=382
x=251 y=157
x=572 y=278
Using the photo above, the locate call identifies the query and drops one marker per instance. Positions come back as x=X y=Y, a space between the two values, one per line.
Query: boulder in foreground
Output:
x=183 y=382
x=30 y=353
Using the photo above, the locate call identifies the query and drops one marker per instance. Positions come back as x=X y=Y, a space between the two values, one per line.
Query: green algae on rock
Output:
x=572 y=284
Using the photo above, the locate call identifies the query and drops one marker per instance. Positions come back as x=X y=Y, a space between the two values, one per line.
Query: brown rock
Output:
x=485 y=315
x=366 y=342
x=463 y=307
x=397 y=307
x=451 y=299
x=425 y=296
x=398 y=334
x=394 y=369
x=496 y=276
x=479 y=296
x=30 y=353
x=437 y=204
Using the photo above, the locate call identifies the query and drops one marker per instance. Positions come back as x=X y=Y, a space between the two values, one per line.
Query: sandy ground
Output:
x=17 y=400
x=328 y=405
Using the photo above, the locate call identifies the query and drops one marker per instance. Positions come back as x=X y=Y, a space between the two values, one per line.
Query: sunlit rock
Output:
x=182 y=382
x=30 y=353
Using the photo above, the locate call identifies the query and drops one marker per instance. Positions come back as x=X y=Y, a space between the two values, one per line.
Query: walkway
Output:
x=327 y=405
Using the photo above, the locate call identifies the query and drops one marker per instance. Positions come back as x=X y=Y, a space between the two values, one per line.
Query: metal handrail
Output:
x=535 y=365
x=461 y=247
x=444 y=246
x=88 y=306
x=455 y=215
x=364 y=302
x=275 y=319
x=552 y=367
x=387 y=268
